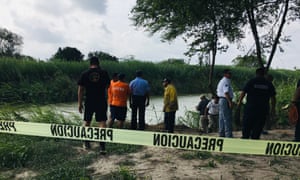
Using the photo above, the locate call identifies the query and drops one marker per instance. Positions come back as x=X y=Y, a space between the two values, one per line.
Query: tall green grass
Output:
x=39 y=82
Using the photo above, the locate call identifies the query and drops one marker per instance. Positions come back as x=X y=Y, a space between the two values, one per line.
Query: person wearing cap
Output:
x=201 y=108
x=120 y=93
x=93 y=83
x=170 y=105
x=225 y=94
x=139 y=99
x=259 y=92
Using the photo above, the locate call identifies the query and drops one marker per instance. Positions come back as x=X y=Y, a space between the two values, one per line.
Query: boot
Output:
x=102 y=148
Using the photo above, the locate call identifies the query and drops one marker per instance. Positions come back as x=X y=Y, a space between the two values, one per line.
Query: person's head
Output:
x=215 y=99
x=166 y=81
x=202 y=97
x=260 y=72
x=269 y=77
x=227 y=73
x=139 y=73
x=94 y=61
x=115 y=76
x=121 y=76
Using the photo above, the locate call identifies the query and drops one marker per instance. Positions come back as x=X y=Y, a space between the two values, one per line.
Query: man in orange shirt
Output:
x=120 y=92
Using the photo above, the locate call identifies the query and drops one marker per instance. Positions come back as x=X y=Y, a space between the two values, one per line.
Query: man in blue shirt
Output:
x=139 y=99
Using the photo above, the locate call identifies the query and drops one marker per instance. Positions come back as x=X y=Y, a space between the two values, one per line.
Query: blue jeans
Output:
x=225 y=119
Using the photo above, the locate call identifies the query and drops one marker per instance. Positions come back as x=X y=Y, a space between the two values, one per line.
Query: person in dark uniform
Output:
x=93 y=83
x=259 y=93
x=296 y=101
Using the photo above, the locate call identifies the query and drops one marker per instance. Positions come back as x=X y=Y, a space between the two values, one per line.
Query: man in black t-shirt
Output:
x=259 y=92
x=93 y=83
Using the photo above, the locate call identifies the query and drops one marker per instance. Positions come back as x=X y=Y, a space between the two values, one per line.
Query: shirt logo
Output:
x=94 y=77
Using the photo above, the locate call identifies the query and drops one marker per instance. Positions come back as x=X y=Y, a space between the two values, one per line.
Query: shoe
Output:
x=86 y=145
x=102 y=148
x=202 y=131
x=103 y=152
x=209 y=130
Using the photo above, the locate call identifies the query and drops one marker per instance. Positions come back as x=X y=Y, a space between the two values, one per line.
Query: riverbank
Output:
x=165 y=163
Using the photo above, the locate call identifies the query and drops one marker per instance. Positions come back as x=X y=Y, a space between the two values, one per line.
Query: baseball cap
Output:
x=166 y=80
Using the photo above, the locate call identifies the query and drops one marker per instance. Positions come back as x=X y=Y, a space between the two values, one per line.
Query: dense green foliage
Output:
x=68 y=54
x=103 y=56
x=55 y=81
x=247 y=61
x=27 y=81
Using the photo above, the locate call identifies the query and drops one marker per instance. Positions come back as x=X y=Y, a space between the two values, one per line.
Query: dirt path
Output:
x=165 y=163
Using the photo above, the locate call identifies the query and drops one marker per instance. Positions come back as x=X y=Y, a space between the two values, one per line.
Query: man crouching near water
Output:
x=94 y=83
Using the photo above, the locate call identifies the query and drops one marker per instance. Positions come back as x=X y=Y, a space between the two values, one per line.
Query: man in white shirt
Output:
x=225 y=93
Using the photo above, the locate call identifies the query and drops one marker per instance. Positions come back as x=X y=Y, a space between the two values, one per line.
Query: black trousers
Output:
x=169 y=121
x=297 y=132
x=253 y=122
x=138 y=108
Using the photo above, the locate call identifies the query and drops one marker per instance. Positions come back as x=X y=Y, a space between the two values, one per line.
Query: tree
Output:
x=247 y=61
x=201 y=23
x=272 y=15
x=173 y=61
x=10 y=43
x=103 y=56
x=68 y=54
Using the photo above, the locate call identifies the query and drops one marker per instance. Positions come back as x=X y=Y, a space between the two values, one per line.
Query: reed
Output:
x=40 y=82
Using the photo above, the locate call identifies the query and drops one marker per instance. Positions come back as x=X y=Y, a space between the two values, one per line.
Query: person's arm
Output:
x=80 y=98
x=109 y=95
x=241 y=99
x=273 y=103
x=130 y=101
x=147 y=99
x=227 y=96
x=206 y=111
x=166 y=99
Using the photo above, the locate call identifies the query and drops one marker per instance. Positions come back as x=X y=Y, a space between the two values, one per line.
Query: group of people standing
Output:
x=100 y=92
x=260 y=104
x=94 y=84
x=209 y=114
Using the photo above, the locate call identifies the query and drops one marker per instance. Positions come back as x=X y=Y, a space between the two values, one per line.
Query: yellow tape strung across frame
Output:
x=156 y=139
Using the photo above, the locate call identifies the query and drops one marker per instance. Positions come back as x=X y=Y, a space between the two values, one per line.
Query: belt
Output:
x=214 y=114
x=223 y=98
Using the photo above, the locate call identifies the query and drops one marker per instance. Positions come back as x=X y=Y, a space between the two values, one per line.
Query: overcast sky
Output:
x=103 y=25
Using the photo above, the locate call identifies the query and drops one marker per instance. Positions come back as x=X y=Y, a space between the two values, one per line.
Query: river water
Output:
x=154 y=114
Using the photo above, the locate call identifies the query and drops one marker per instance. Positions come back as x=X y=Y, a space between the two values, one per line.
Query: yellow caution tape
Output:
x=156 y=139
